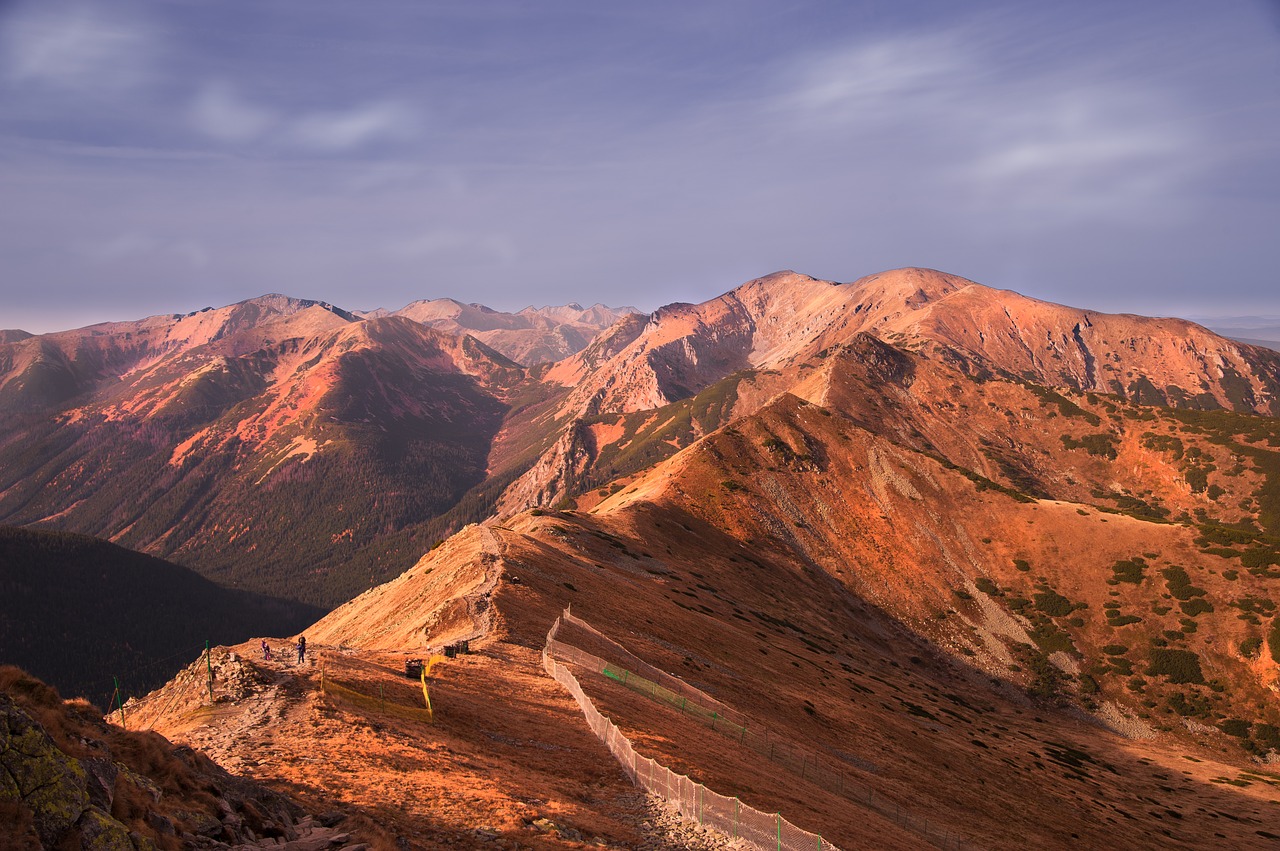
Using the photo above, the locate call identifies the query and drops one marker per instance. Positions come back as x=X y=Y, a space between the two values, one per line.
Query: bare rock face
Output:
x=43 y=780
x=67 y=780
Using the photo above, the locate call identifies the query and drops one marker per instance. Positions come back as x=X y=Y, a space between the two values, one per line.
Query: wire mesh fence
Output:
x=692 y=799
x=651 y=672
x=331 y=687
x=807 y=764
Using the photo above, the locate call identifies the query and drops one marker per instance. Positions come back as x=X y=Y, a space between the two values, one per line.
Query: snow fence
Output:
x=693 y=800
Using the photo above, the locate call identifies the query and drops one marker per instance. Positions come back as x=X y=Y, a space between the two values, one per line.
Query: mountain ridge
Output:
x=907 y=525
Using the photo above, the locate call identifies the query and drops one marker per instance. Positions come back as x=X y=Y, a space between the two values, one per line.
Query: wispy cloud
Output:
x=879 y=79
x=1085 y=151
x=221 y=113
x=958 y=110
x=218 y=111
x=76 y=47
x=354 y=128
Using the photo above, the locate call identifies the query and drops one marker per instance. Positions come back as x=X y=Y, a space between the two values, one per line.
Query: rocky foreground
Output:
x=70 y=780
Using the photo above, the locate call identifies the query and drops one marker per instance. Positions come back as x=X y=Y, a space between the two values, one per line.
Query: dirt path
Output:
x=514 y=771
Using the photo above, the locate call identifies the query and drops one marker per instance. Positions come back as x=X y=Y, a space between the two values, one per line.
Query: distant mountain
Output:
x=1274 y=345
x=266 y=444
x=1262 y=331
x=532 y=336
x=38 y=371
x=649 y=387
x=79 y=613
x=781 y=318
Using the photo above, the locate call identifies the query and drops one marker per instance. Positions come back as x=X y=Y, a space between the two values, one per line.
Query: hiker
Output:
x=266 y=650
x=302 y=649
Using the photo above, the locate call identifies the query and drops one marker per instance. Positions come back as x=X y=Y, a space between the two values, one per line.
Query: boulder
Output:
x=47 y=782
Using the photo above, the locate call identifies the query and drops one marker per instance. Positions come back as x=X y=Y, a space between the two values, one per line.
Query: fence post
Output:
x=779 y=816
x=119 y=702
x=736 y=806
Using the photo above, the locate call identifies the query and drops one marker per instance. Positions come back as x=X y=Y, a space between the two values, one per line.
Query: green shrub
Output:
x=1050 y=639
x=1115 y=649
x=1179 y=583
x=1163 y=443
x=1267 y=735
x=986 y=586
x=1235 y=727
x=1188 y=706
x=1198 y=606
x=1103 y=445
x=1257 y=558
x=1053 y=604
x=1022 y=564
x=1121 y=665
x=1128 y=570
x=1179 y=666
x=1250 y=646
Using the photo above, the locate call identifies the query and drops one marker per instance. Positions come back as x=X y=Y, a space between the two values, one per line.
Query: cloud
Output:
x=354 y=128
x=76 y=47
x=873 y=80
x=961 y=113
x=1085 y=150
x=220 y=112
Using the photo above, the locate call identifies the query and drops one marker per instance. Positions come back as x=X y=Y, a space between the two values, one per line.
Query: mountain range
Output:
x=1009 y=564
x=294 y=448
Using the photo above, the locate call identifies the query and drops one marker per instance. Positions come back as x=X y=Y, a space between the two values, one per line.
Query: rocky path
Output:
x=479 y=601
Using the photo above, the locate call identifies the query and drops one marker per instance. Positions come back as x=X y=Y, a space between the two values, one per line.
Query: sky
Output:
x=163 y=156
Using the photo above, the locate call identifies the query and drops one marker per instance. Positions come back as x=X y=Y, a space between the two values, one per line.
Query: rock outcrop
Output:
x=69 y=780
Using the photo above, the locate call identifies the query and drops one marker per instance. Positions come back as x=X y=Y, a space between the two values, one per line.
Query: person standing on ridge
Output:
x=302 y=649
x=266 y=650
